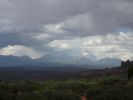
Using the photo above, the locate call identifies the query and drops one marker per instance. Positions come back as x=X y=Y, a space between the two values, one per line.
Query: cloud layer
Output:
x=78 y=17
x=93 y=29
x=18 y=50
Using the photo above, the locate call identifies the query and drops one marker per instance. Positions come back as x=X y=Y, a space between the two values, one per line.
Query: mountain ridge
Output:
x=14 y=61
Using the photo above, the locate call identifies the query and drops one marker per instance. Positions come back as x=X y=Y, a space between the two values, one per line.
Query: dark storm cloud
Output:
x=14 y=38
x=102 y=17
x=92 y=16
x=38 y=23
x=31 y=15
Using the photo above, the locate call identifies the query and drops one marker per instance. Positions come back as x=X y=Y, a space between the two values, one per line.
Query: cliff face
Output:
x=126 y=64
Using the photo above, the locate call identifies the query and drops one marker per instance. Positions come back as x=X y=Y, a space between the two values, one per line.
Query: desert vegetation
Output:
x=106 y=88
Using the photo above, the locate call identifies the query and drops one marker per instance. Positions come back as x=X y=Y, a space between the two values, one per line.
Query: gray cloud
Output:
x=102 y=17
x=91 y=16
x=37 y=24
x=31 y=15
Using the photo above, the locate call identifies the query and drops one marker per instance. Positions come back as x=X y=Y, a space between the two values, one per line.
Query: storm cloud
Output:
x=80 y=28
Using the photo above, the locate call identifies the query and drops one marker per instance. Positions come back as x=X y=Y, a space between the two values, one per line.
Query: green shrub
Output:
x=31 y=96
x=113 y=80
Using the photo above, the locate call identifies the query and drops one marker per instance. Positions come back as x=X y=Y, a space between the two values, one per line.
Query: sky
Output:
x=67 y=29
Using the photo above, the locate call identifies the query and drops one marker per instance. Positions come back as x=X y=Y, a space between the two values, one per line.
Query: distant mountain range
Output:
x=13 y=61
